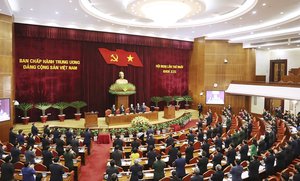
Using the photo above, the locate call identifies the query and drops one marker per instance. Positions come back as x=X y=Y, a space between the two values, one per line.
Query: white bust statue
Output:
x=121 y=80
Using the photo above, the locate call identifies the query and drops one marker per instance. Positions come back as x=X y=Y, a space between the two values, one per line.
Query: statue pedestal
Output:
x=169 y=112
x=122 y=100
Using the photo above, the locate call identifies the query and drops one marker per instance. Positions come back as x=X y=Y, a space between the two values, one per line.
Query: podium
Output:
x=91 y=119
x=122 y=99
x=169 y=112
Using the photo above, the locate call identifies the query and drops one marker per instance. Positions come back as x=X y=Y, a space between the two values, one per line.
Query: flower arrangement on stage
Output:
x=122 y=89
x=140 y=122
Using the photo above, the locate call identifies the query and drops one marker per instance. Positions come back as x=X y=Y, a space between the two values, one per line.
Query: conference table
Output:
x=120 y=119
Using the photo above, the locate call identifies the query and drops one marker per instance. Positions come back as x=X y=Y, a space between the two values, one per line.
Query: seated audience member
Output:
x=28 y=172
x=69 y=155
x=179 y=164
x=118 y=142
x=7 y=170
x=189 y=152
x=202 y=163
x=237 y=171
x=174 y=176
x=158 y=167
x=56 y=170
x=29 y=155
x=15 y=153
x=173 y=152
x=20 y=137
x=111 y=170
x=151 y=155
x=34 y=130
x=191 y=136
x=170 y=140
x=197 y=176
x=135 y=170
x=253 y=169
x=134 y=155
x=218 y=175
x=47 y=157
x=117 y=156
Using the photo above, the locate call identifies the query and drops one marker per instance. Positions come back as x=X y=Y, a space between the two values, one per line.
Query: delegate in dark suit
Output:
x=47 y=158
x=217 y=159
x=34 y=130
x=12 y=137
x=236 y=173
x=15 y=154
x=117 y=156
x=135 y=169
x=269 y=161
x=218 y=176
x=69 y=159
x=253 y=170
x=170 y=141
x=151 y=155
x=111 y=170
x=180 y=166
x=189 y=151
x=244 y=152
x=56 y=172
x=205 y=147
x=87 y=140
x=7 y=172
x=158 y=167
x=28 y=173
x=60 y=146
x=172 y=155
x=118 y=142
x=202 y=164
x=75 y=145
x=230 y=156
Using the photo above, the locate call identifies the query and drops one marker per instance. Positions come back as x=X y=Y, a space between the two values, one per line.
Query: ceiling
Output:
x=263 y=24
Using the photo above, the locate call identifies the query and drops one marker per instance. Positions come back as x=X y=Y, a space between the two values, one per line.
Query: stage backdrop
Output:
x=57 y=64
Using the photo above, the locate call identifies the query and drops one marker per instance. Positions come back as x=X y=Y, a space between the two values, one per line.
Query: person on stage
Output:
x=113 y=110
x=143 y=108
x=131 y=109
x=122 y=109
x=200 y=109
x=138 y=108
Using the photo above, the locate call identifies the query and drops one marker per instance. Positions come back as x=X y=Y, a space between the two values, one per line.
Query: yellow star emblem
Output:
x=130 y=58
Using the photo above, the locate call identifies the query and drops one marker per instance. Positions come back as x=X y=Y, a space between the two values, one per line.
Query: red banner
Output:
x=120 y=57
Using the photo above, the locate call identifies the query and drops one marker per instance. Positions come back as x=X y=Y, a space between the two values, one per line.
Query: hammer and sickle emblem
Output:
x=114 y=58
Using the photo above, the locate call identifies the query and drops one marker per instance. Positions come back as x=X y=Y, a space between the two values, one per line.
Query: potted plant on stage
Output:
x=187 y=99
x=61 y=106
x=25 y=107
x=43 y=106
x=168 y=99
x=78 y=105
x=177 y=100
x=156 y=100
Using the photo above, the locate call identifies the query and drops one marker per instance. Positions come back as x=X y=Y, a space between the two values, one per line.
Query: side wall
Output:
x=7 y=89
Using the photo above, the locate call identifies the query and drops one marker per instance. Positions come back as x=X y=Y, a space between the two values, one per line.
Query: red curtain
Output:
x=91 y=81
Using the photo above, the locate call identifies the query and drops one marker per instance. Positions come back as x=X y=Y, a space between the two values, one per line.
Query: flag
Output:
x=112 y=57
x=130 y=57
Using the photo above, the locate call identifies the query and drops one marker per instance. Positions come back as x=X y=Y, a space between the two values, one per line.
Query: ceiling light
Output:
x=253 y=12
x=164 y=11
x=298 y=45
x=31 y=9
x=70 y=1
x=56 y=12
x=264 y=4
x=75 y=9
x=281 y=12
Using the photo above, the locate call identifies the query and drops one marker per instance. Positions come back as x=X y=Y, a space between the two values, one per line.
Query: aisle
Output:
x=95 y=163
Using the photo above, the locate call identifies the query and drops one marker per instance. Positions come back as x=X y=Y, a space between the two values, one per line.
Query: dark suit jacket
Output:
x=47 y=158
x=7 y=172
x=151 y=158
x=117 y=156
x=150 y=141
x=205 y=147
x=231 y=156
x=27 y=173
x=69 y=160
x=46 y=131
x=60 y=146
x=20 y=139
x=244 y=152
x=180 y=167
x=236 y=173
x=169 y=141
x=172 y=155
x=218 y=143
x=34 y=130
x=149 y=131
x=202 y=164
x=45 y=143
x=12 y=137
x=119 y=142
x=56 y=172
x=269 y=161
x=189 y=151
x=200 y=136
x=197 y=178
x=69 y=136
x=217 y=176
x=87 y=138
x=30 y=141
x=75 y=145
x=253 y=169
x=158 y=167
x=111 y=170
x=135 y=144
x=15 y=154
x=217 y=159
x=191 y=138
x=209 y=133
x=135 y=169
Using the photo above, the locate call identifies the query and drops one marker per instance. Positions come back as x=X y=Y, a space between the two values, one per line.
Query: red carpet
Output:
x=95 y=163
x=190 y=124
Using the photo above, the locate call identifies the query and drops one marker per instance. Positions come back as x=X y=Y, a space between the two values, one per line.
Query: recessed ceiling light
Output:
x=253 y=12
x=264 y=4
x=75 y=9
x=281 y=12
x=269 y=48
x=56 y=12
x=70 y=1
x=251 y=33
x=258 y=47
x=193 y=31
x=241 y=18
x=0 y=9
x=298 y=45
x=31 y=9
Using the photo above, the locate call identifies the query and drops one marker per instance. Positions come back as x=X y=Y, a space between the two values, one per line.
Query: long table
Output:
x=126 y=118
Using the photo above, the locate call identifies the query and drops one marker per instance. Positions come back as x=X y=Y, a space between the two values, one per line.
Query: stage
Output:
x=72 y=123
